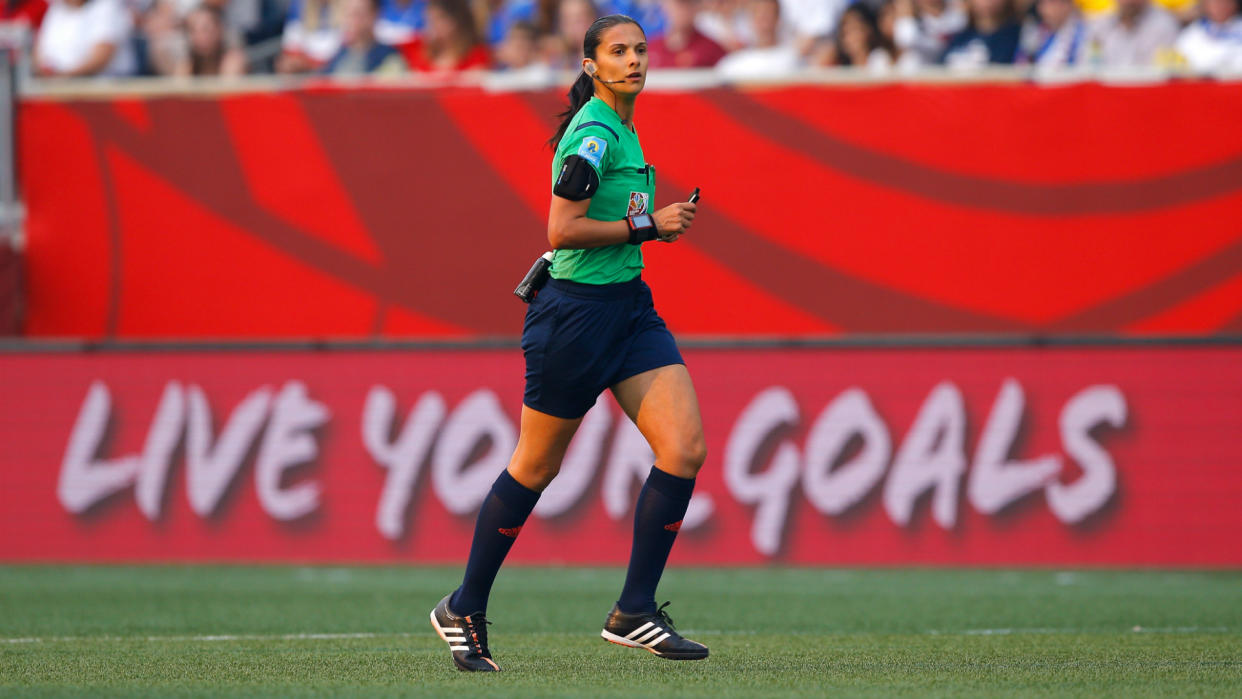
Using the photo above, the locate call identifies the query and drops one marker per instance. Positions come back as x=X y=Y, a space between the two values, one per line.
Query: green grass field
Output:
x=208 y=631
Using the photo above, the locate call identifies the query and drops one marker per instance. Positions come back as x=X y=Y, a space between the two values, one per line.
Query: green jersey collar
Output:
x=611 y=113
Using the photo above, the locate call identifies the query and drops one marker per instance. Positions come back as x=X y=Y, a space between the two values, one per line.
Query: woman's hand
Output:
x=673 y=220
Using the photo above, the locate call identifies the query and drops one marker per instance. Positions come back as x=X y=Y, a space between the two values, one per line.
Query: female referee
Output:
x=594 y=327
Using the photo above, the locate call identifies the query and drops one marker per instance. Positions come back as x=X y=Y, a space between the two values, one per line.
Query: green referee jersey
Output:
x=626 y=188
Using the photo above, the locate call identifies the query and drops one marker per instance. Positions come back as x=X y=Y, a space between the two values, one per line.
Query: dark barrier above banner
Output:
x=826 y=210
x=10 y=287
x=1075 y=456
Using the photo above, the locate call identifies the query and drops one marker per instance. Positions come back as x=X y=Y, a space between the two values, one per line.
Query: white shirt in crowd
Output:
x=922 y=39
x=1209 y=47
x=69 y=34
x=319 y=44
x=1116 y=46
x=879 y=62
x=812 y=18
x=724 y=28
x=757 y=63
x=394 y=33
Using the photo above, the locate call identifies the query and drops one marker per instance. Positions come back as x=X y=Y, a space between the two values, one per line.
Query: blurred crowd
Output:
x=535 y=39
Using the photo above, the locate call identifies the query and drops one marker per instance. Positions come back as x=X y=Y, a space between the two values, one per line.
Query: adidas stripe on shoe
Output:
x=653 y=631
x=466 y=637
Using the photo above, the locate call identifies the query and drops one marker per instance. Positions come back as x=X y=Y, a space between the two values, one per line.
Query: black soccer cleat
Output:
x=466 y=637
x=653 y=631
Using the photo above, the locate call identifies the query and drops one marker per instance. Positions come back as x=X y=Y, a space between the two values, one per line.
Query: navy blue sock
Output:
x=500 y=519
x=657 y=519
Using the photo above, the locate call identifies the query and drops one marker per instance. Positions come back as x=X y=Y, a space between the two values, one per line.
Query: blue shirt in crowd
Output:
x=972 y=47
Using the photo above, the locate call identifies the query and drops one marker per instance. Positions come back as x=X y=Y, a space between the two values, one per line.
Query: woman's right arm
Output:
x=570 y=229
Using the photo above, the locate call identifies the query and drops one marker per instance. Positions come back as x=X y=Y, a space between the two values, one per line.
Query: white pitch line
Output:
x=212 y=638
x=1135 y=629
x=1180 y=629
x=215 y=638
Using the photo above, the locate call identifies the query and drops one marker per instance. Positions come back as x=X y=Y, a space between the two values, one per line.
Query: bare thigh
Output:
x=663 y=404
x=541 y=448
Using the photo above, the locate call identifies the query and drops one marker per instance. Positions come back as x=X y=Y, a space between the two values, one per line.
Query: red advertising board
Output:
x=991 y=456
x=826 y=210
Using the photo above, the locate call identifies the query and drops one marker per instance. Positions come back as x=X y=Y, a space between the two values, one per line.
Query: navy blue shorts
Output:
x=580 y=339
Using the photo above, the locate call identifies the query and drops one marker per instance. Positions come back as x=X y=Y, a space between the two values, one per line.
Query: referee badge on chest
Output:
x=638 y=204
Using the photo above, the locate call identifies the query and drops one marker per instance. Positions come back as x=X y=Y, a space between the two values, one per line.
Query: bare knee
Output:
x=685 y=458
x=534 y=475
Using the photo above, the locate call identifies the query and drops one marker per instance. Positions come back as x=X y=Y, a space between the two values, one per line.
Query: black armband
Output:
x=642 y=228
x=577 y=180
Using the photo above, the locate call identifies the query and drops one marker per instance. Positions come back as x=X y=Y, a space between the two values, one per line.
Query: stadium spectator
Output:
x=250 y=22
x=519 y=57
x=360 y=53
x=1055 y=38
x=400 y=21
x=26 y=13
x=990 y=37
x=564 y=48
x=450 y=41
x=160 y=43
x=1136 y=35
x=246 y=22
x=922 y=29
x=209 y=49
x=312 y=36
x=811 y=20
x=1184 y=10
x=80 y=38
x=682 y=45
x=858 y=42
x=1213 y=43
x=539 y=14
x=506 y=14
x=768 y=56
x=648 y=13
x=518 y=48
x=885 y=18
x=726 y=22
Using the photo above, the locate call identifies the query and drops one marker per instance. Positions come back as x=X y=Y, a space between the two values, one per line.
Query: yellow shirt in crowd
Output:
x=1091 y=8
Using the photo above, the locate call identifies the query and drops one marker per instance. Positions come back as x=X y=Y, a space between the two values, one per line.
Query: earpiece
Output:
x=590 y=70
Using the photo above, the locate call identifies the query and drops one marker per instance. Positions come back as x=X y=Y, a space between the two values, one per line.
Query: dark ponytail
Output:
x=584 y=86
x=579 y=94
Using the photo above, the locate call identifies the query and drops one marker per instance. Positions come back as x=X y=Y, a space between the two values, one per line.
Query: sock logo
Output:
x=674 y=527
x=512 y=532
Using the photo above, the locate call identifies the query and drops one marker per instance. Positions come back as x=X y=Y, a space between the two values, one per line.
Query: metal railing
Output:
x=11 y=212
